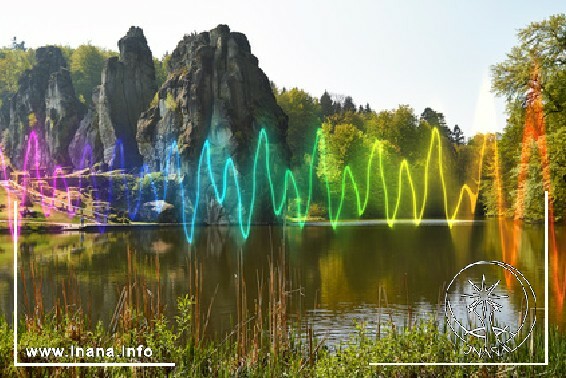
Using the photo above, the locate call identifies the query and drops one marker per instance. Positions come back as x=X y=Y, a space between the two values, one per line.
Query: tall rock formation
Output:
x=63 y=113
x=216 y=91
x=126 y=90
x=86 y=147
x=46 y=104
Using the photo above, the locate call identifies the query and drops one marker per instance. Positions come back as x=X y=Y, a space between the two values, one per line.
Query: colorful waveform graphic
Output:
x=534 y=132
x=280 y=196
x=350 y=188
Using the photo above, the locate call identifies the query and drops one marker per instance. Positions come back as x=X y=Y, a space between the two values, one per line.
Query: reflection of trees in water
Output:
x=332 y=267
x=384 y=256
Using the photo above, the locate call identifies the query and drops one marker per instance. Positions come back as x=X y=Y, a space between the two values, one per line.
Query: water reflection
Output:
x=339 y=272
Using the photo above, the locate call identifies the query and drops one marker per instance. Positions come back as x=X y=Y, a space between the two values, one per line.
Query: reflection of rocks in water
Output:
x=340 y=271
x=159 y=247
x=214 y=211
x=216 y=238
x=26 y=249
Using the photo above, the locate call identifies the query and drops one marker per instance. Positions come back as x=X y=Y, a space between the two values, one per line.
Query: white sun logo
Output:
x=484 y=298
x=482 y=304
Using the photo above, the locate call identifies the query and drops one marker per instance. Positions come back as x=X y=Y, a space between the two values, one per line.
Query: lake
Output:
x=333 y=277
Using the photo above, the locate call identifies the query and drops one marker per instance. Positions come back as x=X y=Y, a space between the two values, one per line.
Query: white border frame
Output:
x=108 y=364
x=15 y=321
x=546 y=292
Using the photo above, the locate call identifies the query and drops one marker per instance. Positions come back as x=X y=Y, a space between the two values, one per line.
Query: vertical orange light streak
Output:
x=509 y=255
x=535 y=130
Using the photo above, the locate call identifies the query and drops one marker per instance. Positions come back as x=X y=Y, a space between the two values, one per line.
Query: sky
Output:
x=385 y=53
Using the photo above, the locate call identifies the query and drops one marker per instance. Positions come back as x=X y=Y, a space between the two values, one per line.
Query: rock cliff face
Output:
x=46 y=104
x=86 y=147
x=216 y=91
x=127 y=88
x=5 y=113
x=63 y=115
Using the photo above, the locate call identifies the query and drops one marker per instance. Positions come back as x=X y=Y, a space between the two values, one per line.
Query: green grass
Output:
x=174 y=341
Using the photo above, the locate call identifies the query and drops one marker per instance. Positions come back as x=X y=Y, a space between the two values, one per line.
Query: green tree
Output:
x=86 y=64
x=541 y=46
x=542 y=43
x=398 y=126
x=345 y=146
x=533 y=185
x=326 y=105
x=338 y=147
x=349 y=105
x=557 y=145
x=13 y=62
x=436 y=119
x=303 y=111
x=161 y=69
x=457 y=135
x=350 y=117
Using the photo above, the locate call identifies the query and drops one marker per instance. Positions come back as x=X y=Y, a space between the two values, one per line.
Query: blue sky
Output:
x=384 y=53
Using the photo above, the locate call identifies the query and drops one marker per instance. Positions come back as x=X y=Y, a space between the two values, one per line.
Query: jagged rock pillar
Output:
x=126 y=90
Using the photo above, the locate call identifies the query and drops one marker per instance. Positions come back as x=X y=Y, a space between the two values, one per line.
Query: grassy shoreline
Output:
x=175 y=341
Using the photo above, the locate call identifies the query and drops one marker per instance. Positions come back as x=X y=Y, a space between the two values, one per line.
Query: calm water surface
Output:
x=334 y=276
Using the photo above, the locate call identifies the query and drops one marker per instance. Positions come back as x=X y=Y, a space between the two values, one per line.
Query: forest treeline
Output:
x=349 y=131
x=85 y=64
x=541 y=44
x=348 y=136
